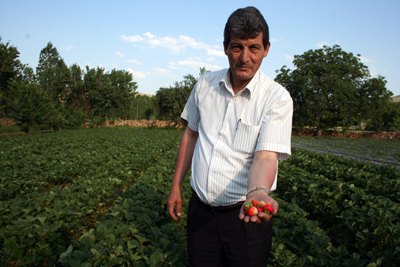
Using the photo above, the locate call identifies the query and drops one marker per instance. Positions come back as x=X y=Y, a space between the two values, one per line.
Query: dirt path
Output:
x=375 y=161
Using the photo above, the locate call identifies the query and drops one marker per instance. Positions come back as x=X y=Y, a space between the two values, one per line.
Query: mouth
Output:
x=243 y=67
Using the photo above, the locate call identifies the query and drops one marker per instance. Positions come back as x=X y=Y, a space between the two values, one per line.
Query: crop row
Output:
x=40 y=217
x=368 y=225
x=157 y=241
x=97 y=198
x=39 y=162
x=139 y=232
x=375 y=180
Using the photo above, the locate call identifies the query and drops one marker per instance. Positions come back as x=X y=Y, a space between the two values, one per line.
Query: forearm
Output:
x=262 y=174
x=185 y=155
x=184 y=161
x=263 y=170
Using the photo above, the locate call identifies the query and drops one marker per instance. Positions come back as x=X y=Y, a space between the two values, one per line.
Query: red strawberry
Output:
x=259 y=209
x=268 y=207
x=247 y=205
x=255 y=202
x=252 y=211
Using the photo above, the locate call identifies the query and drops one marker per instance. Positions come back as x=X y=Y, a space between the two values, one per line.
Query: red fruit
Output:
x=247 y=205
x=268 y=207
x=255 y=202
x=259 y=209
x=262 y=203
x=252 y=211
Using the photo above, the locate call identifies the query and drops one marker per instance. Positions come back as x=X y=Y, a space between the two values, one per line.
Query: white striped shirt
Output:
x=231 y=129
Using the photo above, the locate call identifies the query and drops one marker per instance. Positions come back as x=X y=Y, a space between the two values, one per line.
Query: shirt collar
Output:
x=250 y=86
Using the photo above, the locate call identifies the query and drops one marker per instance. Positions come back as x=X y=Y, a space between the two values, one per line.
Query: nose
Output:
x=244 y=55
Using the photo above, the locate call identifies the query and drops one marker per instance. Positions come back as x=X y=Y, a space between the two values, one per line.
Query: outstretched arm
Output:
x=183 y=164
x=262 y=174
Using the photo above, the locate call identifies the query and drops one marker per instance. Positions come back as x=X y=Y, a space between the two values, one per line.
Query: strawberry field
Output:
x=95 y=197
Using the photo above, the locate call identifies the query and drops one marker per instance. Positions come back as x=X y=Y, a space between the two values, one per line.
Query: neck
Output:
x=238 y=85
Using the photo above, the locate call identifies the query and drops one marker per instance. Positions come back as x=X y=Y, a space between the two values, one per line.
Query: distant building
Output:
x=396 y=98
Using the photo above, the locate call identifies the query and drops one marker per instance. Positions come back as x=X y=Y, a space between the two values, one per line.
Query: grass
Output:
x=9 y=129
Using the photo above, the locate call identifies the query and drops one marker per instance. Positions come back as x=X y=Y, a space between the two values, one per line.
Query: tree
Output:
x=325 y=86
x=142 y=107
x=76 y=89
x=171 y=101
x=93 y=79
x=53 y=74
x=391 y=117
x=123 y=91
x=374 y=102
x=113 y=94
x=31 y=106
x=10 y=68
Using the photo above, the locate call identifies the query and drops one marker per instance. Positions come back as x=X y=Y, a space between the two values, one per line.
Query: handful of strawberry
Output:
x=254 y=207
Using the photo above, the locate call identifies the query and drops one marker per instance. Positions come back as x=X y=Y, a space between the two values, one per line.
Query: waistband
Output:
x=219 y=209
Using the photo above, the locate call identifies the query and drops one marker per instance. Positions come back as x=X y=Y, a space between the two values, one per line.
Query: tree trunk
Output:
x=319 y=131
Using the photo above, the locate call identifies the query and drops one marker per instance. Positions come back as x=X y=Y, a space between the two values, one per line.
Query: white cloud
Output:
x=289 y=57
x=134 y=61
x=373 y=71
x=119 y=54
x=133 y=39
x=321 y=44
x=114 y=65
x=176 y=45
x=365 y=60
x=163 y=72
x=273 y=40
x=195 y=64
x=173 y=66
x=149 y=35
x=214 y=52
x=137 y=74
x=69 y=47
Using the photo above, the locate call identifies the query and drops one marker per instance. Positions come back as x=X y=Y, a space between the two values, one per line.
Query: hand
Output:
x=174 y=203
x=261 y=216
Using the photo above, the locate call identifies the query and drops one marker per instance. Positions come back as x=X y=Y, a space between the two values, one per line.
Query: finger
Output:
x=241 y=213
x=275 y=205
x=178 y=209
x=171 y=212
x=264 y=216
x=255 y=219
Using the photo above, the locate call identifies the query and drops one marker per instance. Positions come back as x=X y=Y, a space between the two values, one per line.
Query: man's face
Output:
x=245 y=57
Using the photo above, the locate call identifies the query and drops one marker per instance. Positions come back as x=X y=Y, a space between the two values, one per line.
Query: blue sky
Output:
x=161 y=41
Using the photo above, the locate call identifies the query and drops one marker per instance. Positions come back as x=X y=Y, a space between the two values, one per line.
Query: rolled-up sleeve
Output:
x=191 y=112
x=276 y=128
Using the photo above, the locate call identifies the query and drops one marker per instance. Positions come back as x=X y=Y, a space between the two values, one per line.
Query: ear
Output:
x=266 y=50
x=226 y=52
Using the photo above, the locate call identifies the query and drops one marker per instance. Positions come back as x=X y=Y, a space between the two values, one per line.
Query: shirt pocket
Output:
x=246 y=137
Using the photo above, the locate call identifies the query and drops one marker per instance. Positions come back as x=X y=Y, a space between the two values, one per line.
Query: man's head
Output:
x=246 y=43
x=246 y=23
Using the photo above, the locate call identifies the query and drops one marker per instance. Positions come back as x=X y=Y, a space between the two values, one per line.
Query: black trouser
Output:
x=223 y=239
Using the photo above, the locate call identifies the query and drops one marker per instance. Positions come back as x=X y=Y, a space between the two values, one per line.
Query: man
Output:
x=239 y=126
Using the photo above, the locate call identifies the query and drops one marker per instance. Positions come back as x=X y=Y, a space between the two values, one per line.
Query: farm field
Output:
x=95 y=197
x=380 y=152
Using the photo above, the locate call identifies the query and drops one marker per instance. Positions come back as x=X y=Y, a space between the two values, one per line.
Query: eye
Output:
x=254 y=49
x=236 y=48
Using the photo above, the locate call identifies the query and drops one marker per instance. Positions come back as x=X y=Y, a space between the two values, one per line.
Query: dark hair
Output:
x=246 y=23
